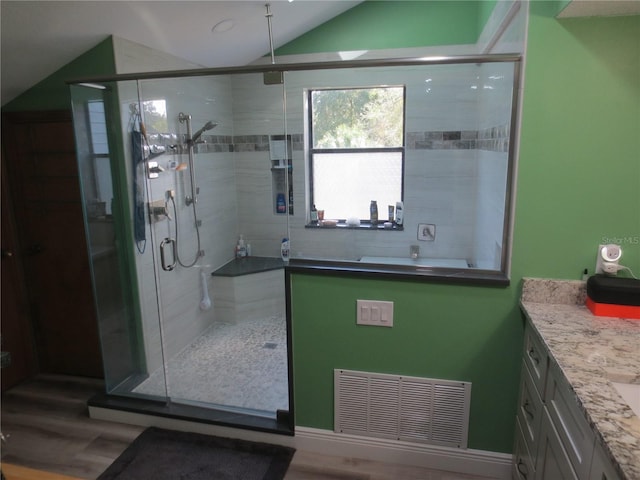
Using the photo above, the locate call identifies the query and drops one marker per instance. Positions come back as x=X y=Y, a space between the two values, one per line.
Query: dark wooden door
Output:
x=40 y=154
x=18 y=355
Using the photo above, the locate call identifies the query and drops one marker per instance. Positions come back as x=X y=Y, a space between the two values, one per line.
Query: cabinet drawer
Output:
x=529 y=410
x=535 y=358
x=552 y=462
x=523 y=462
x=573 y=428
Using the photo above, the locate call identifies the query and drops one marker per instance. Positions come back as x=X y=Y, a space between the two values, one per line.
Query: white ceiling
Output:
x=39 y=37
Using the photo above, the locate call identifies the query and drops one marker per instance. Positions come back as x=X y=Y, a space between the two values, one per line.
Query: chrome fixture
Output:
x=190 y=200
x=207 y=126
x=191 y=141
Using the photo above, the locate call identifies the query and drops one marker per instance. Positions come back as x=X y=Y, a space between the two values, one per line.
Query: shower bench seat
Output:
x=249 y=288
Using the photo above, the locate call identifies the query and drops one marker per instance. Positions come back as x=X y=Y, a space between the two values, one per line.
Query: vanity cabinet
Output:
x=553 y=439
x=530 y=407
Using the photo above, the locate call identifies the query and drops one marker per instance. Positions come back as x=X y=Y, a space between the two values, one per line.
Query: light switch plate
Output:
x=374 y=312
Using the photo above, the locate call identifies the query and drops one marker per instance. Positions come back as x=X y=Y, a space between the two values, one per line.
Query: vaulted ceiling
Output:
x=39 y=37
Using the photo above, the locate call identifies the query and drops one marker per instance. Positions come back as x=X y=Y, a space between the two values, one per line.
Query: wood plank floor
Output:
x=16 y=472
x=49 y=431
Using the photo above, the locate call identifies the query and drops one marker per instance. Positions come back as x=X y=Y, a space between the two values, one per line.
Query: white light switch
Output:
x=365 y=313
x=374 y=312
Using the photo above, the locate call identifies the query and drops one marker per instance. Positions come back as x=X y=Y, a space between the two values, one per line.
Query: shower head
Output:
x=207 y=126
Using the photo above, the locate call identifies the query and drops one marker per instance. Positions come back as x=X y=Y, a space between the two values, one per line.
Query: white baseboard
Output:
x=326 y=442
x=468 y=461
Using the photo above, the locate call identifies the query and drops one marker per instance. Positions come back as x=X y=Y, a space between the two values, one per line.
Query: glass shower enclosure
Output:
x=191 y=180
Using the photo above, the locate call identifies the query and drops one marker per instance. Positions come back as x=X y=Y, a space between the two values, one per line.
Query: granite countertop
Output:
x=591 y=352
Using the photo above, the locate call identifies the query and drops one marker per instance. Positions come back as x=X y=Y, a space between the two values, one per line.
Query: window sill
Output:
x=456 y=276
x=362 y=226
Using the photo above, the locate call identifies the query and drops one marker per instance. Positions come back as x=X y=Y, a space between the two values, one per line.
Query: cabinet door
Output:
x=535 y=358
x=601 y=468
x=523 y=463
x=529 y=410
x=574 y=430
x=552 y=462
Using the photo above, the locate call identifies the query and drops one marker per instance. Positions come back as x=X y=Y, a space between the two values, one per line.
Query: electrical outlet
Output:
x=374 y=312
x=607 y=259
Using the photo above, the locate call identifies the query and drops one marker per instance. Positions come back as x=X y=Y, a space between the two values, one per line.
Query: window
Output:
x=101 y=205
x=357 y=150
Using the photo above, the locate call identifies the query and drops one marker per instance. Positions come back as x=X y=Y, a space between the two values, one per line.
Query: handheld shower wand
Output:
x=207 y=126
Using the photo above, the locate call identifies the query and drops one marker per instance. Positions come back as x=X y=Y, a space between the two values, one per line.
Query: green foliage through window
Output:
x=358 y=118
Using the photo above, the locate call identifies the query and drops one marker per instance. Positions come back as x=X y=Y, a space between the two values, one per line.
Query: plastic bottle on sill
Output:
x=373 y=212
x=314 y=215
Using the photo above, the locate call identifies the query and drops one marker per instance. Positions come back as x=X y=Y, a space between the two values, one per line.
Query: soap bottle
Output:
x=314 y=214
x=373 y=212
x=241 y=249
x=284 y=250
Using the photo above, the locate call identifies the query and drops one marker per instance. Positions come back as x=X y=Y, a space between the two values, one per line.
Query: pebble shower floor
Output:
x=241 y=364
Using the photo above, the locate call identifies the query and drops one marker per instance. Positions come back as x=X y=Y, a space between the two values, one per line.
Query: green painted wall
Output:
x=580 y=120
x=440 y=331
x=52 y=93
x=485 y=8
x=392 y=24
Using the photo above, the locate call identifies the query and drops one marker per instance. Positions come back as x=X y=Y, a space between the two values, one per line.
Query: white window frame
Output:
x=382 y=208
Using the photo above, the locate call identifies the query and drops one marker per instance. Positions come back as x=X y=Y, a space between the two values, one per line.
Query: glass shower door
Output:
x=209 y=181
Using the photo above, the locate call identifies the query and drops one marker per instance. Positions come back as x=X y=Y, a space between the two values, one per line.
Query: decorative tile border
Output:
x=494 y=139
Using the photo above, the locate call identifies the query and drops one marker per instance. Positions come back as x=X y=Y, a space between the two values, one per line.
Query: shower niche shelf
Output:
x=280 y=148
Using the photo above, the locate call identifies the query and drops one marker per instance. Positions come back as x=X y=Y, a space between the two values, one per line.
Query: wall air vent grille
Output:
x=403 y=408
